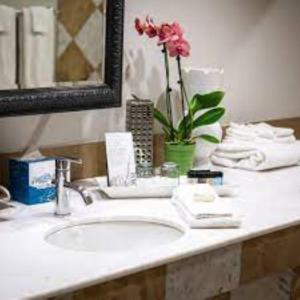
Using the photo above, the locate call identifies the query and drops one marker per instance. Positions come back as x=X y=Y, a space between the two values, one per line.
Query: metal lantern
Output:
x=139 y=121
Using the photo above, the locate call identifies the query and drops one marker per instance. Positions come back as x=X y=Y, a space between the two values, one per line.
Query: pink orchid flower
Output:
x=179 y=47
x=169 y=33
x=150 y=28
x=139 y=26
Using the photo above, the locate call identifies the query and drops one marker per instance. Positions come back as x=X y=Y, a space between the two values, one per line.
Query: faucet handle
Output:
x=63 y=164
x=69 y=159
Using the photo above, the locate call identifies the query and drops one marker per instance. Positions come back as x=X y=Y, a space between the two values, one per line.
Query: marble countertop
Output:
x=32 y=268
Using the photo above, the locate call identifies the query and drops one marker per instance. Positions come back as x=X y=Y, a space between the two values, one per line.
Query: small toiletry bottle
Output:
x=198 y=176
x=206 y=176
x=216 y=178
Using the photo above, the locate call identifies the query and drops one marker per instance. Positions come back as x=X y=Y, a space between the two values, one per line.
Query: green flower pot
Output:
x=181 y=154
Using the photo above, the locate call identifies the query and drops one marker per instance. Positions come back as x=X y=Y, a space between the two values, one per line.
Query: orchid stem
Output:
x=168 y=91
x=182 y=92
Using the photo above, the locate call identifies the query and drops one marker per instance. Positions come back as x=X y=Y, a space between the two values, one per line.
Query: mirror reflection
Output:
x=51 y=43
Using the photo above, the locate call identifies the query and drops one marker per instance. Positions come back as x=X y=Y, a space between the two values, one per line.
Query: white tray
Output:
x=138 y=192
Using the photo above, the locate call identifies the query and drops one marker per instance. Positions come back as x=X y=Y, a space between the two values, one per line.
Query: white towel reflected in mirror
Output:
x=7 y=48
x=37 y=47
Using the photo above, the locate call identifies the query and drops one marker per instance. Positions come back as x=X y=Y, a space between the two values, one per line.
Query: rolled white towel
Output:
x=204 y=214
x=277 y=131
x=256 y=156
x=261 y=131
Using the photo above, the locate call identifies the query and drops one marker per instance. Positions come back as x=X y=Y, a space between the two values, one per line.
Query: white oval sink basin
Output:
x=115 y=235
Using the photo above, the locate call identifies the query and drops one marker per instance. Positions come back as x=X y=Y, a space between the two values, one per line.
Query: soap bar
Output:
x=32 y=180
x=204 y=193
x=195 y=193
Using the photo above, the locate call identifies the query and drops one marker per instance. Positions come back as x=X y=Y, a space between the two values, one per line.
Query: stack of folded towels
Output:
x=200 y=207
x=257 y=147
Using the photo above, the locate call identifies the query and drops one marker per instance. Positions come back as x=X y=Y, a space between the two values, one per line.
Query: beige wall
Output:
x=257 y=42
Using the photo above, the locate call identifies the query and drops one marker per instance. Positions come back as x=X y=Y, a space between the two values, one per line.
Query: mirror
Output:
x=60 y=55
x=54 y=43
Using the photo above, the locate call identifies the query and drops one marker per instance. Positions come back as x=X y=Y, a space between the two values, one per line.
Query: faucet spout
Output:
x=83 y=192
x=63 y=176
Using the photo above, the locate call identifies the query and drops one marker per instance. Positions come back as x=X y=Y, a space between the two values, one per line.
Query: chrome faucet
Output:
x=63 y=181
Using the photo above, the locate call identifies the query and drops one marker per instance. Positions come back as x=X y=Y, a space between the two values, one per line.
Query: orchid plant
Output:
x=174 y=45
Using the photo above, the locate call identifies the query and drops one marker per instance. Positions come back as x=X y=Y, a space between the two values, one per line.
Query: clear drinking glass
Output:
x=170 y=173
x=145 y=170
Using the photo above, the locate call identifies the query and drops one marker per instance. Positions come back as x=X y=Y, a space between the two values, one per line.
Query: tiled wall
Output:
x=80 y=40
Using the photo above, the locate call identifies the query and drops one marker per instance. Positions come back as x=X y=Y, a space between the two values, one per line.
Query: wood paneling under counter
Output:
x=271 y=253
x=146 y=285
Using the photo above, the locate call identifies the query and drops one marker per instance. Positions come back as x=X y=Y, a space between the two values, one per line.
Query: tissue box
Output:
x=31 y=180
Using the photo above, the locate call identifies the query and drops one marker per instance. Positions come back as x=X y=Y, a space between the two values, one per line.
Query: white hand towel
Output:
x=256 y=156
x=198 y=214
x=37 y=51
x=7 y=48
x=209 y=223
x=40 y=19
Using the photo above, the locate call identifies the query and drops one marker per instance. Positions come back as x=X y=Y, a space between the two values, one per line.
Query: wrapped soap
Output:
x=32 y=180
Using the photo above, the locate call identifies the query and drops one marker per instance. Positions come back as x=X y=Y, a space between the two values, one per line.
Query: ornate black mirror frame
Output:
x=63 y=99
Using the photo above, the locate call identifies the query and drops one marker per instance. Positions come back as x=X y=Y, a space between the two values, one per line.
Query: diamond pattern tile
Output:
x=64 y=39
x=80 y=37
x=98 y=2
x=74 y=13
x=72 y=65
x=92 y=35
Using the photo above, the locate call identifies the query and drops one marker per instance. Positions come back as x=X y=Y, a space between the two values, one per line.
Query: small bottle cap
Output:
x=203 y=174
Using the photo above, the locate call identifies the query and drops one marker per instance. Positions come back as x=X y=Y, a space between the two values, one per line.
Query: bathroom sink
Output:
x=114 y=235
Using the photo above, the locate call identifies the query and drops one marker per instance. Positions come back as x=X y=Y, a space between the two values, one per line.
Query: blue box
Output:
x=31 y=180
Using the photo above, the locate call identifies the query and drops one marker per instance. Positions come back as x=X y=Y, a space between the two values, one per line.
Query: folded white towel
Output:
x=256 y=156
x=199 y=214
x=7 y=48
x=37 y=53
x=6 y=14
x=40 y=19
x=221 y=222
x=260 y=132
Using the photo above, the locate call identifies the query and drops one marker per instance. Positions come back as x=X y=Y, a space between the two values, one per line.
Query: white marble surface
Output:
x=30 y=267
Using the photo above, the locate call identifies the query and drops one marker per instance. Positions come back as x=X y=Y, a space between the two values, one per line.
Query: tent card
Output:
x=120 y=159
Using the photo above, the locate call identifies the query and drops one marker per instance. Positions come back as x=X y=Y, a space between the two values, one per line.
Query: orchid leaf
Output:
x=210 y=117
x=208 y=138
x=185 y=125
x=210 y=100
x=159 y=116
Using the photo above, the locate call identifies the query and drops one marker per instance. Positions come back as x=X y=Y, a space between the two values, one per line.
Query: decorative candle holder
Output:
x=139 y=121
